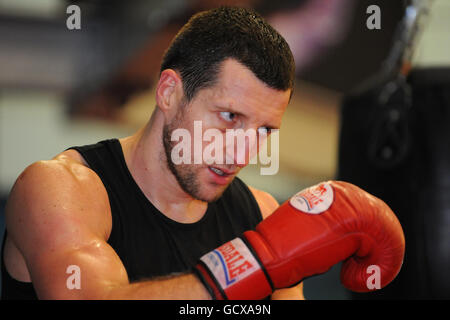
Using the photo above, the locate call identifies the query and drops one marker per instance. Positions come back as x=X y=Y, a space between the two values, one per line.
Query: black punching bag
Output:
x=395 y=143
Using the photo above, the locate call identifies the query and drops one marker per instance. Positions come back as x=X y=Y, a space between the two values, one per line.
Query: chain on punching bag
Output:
x=390 y=137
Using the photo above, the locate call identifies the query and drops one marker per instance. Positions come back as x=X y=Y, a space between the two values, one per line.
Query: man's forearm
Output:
x=181 y=287
x=294 y=293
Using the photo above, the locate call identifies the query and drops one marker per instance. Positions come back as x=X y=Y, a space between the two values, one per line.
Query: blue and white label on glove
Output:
x=314 y=200
x=231 y=263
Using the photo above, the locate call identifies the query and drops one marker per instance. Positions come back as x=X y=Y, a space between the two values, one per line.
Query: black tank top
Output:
x=149 y=243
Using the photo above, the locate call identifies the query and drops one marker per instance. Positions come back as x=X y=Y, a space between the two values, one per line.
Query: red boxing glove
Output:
x=308 y=234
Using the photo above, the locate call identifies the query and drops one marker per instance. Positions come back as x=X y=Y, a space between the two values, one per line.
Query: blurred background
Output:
x=350 y=116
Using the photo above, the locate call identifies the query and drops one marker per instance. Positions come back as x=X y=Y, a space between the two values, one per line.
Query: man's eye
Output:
x=227 y=116
x=264 y=130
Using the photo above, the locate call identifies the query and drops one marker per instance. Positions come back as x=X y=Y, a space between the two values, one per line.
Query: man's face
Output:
x=238 y=100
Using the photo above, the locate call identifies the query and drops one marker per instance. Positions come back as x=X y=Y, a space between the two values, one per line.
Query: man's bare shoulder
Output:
x=267 y=203
x=63 y=189
x=71 y=156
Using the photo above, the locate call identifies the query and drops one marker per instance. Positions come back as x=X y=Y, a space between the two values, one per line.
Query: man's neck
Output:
x=146 y=160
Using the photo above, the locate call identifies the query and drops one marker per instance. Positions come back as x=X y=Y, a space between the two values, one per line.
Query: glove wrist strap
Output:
x=233 y=272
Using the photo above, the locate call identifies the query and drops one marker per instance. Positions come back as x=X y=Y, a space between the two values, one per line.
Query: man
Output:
x=131 y=221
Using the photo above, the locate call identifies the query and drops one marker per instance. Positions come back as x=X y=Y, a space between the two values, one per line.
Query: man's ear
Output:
x=169 y=92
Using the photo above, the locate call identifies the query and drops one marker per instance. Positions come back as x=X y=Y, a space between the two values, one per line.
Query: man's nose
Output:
x=241 y=149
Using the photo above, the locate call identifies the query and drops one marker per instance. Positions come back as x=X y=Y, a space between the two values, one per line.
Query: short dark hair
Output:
x=210 y=37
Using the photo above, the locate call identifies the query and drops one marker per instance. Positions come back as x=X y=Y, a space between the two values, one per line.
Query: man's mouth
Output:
x=221 y=172
x=218 y=171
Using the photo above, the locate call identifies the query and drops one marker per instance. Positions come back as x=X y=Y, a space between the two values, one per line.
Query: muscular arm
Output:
x=58 y=215
x=267 y=204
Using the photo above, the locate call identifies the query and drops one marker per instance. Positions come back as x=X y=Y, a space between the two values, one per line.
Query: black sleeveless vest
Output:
x=149 y=243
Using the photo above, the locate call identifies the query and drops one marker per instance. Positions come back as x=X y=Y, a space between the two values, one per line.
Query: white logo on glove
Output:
x=314 y=200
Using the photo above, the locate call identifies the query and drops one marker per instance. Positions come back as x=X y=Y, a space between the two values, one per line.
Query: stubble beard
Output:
x=185 y=174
